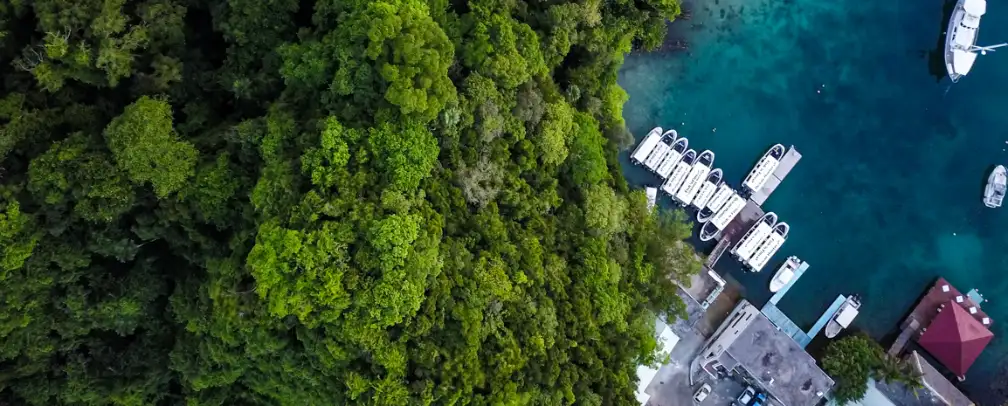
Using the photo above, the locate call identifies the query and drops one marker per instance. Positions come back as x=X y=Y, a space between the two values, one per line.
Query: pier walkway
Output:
x=787 y=162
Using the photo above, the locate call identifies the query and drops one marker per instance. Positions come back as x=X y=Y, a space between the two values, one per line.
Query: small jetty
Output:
x=791 y=157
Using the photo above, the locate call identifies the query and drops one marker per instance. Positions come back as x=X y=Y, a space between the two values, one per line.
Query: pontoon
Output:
x=672 y=158
x=763 y=169
x=708 y=188
x=746 y=247
x=721 y=196
x=675 y=180
x=646 y=145
x=769 y=247
x=695 y=178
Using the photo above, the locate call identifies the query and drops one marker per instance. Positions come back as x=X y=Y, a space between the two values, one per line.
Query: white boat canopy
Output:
x=647 y=145
x=675 y=180
x=975 y=7
x=704 y=195
x=657 y=156
x=728 y=212
x=747 y=247
x=846 y=316
x=724 y=192
x=766 y=251
x=692 y=184
x=665 y=168
x=760 y=173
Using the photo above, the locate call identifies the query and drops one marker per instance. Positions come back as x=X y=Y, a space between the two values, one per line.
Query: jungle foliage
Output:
x=385 y=202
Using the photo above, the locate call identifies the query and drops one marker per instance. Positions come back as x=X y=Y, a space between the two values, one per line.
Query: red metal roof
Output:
x=955 y=338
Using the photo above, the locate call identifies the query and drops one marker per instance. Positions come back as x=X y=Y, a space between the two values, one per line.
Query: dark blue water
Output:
x=888 y=194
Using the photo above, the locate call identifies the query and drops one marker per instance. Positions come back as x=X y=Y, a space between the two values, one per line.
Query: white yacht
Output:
x=769 y=247
x=785 y=274
x=660 y=151
x=652 y=196
x=961 y=36
x=695 y=178
x=844 y=316
x=994 y=193
x=675 y=180
x=763 y=169
x=672 y=158
x=746 y=247
x=708 y=188
x=721 y=196
x=646 y=145
x=721 y=219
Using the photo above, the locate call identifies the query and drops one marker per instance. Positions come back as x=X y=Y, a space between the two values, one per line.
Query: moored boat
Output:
x=844 y=316
x=672 y=157
x=678 y=175
x=661 y=151
x=769 y=247
x=721 y=196
x=763 y=169
x=721 y=219
x=994 y=192
x=785 y=274
x=646 y=145
x=708 y=188
x=695 y=178
x=961 y=37
x=746 y=247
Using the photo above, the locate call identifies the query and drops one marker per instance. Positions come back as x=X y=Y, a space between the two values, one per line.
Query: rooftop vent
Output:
x=986 y=320
x=959 y=299
x=973 y=310
x=945 y=288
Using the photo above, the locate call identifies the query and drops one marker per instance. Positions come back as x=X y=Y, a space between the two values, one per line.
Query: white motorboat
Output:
x=695 y=178
x=961 y=37
x=708 y=188
x=646 y=145
x=672 y=158
x=994 y=193
x=769 y=247
x=844 y=316
x=661 y=151
x=721 y=196
x=763 y=169
x=721 y=219
x=785 y=274
x=746 y=247
x=652 y=196
x=675 y=180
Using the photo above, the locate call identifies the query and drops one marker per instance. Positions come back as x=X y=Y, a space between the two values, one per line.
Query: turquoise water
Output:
x=888 y=193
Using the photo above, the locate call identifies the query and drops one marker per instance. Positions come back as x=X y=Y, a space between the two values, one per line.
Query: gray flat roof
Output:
x=779 y=365
x=937 y=390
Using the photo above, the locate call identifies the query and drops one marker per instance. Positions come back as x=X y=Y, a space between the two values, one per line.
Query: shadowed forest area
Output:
x=388 y=202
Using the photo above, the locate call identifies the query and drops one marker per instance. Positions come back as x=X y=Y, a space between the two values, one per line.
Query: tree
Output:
x=146 y=146
x=852 y=360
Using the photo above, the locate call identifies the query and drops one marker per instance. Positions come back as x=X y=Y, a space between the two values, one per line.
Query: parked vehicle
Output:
x=760 y=399
x=702 y=393
x=746 y=396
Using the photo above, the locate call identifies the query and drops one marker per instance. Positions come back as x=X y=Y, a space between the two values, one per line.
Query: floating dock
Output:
x=779 y=319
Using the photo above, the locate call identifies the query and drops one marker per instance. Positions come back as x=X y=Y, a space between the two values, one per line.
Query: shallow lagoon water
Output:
x=888 y=194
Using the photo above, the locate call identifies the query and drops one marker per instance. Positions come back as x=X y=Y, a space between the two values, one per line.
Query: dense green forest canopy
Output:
x=387 y=202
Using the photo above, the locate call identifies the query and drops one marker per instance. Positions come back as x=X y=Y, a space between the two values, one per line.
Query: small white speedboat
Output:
x=844 y=316
x=785 y=274
x=652 y=196
x=994 y=193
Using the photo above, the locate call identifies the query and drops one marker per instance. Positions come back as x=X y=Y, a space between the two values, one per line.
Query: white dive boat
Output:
x=697 y=173
x=763 y=169
x=769 y=247
x=843 y=317
x=646 y=145
x=660 y=151
x=672 y=158
x=675 y=180
x=652 y=196
x=708 y=188
x=785 y=274
x=721 y=196
x=721 y=219
x=961 y=36
x=746 y=247
x=994 y=193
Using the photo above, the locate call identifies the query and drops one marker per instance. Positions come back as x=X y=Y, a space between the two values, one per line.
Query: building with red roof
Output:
x=955 y=338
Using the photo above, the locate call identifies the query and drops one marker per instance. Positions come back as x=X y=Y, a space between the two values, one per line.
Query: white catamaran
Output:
x=961 y=36
x=695 y=178
x=746 y=247
x=708 y=188
x=675 y=180
x=763 y=169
